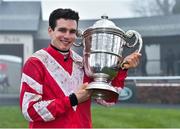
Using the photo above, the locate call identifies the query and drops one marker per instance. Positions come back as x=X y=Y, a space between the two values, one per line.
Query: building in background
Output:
x=22 y=31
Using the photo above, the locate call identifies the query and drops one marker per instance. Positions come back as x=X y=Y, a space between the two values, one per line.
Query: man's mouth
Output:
x=65 y=42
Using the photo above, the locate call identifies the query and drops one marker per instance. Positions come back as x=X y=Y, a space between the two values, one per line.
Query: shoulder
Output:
x=76 y=57
x=34 y=59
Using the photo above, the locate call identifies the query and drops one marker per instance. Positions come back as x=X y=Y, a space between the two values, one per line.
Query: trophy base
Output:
x=104 y=91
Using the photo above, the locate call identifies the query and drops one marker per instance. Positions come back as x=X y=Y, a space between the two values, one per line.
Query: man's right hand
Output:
x=82 y=94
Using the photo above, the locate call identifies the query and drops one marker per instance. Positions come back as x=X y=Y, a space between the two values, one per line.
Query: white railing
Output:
x=155 y=80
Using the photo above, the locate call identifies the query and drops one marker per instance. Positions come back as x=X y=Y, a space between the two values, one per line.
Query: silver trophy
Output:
x=103 y=47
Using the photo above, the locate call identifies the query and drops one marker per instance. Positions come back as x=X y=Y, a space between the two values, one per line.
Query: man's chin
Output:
x=65 y=48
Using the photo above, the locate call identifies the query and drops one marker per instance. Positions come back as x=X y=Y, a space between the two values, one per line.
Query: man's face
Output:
x=64 y=34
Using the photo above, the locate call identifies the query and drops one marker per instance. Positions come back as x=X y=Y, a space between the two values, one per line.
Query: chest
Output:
x=66 y=76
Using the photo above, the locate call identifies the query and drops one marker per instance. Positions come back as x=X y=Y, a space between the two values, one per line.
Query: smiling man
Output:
x=53 y=85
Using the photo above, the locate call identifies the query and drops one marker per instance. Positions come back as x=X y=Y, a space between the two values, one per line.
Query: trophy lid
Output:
x=104 y=25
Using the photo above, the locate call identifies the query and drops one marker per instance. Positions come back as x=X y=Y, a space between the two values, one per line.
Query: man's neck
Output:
x=61 y=51
x=65 y=53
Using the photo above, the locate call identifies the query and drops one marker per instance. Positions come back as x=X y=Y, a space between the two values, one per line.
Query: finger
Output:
x=126 y=66
x=137 y=54
x=135 y=64
x=132 y=62
x=136 y=58
x=84 y=85
x=136 y=61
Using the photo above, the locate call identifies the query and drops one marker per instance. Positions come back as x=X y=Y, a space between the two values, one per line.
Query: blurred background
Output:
x=23 y=30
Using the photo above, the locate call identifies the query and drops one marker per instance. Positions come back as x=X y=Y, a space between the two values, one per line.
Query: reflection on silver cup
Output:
x=103 y=48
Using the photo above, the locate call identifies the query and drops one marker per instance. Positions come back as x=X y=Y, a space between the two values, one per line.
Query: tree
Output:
x=176 y=9
x=153 y=7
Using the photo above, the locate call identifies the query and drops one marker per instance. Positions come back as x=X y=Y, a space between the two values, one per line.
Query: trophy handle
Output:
x=79 y=34
x=130 y=34
x=78 y=44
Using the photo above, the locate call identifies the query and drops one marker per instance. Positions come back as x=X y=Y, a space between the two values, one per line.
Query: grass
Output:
x=134 y=117
x=11 y=117
x=111 y=117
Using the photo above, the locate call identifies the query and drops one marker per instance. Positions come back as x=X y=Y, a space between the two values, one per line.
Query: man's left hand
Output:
x=131 y=61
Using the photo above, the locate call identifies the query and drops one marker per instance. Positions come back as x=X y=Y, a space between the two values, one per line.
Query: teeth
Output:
x=65 y=42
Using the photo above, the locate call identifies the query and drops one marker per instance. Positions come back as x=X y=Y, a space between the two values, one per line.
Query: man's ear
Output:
x=50 y=31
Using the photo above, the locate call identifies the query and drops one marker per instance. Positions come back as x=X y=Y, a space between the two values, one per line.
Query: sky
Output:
x=88 y=9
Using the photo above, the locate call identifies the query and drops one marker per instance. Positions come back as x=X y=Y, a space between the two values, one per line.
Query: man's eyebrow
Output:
x=63 y=29
x=73 y=30
x=66 y=29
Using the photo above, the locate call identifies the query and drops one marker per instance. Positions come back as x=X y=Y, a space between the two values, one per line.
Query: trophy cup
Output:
x=102 y=55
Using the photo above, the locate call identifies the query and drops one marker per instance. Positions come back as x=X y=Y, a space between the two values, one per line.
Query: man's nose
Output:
x=67 y=34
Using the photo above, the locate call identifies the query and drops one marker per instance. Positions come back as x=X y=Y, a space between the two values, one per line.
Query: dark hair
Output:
x=62 y=13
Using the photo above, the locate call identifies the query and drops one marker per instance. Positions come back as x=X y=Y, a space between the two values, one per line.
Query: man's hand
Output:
x=82 y=94
x=131 y=61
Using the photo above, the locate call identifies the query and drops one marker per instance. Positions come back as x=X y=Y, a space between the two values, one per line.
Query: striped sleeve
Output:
x=33 y=106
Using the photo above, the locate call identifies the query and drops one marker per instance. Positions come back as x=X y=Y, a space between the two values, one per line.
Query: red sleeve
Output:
x=118 y=81
x=33 y=106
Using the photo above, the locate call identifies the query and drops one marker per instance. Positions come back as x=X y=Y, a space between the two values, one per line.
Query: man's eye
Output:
x=62 y=30
x=72 y=31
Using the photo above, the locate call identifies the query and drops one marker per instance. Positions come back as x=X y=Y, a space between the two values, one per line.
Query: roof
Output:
x=146 y=26
x=26 y=16
x=20 y=16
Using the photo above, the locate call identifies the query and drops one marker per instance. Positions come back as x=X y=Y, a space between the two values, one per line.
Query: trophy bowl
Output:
x=102 y=55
